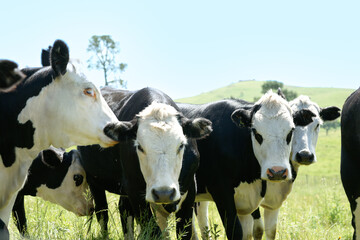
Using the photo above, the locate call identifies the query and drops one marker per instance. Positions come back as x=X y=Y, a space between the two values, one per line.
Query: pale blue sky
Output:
x=185 y=48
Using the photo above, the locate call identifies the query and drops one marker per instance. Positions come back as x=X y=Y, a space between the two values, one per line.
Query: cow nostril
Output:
x=277 y=173
x=172 y=194
x=155 y=195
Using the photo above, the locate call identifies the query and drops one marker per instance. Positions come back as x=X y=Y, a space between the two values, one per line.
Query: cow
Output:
x=302 y=153
x=56 y=176
x=4 y=232
x=10 y=75
x=250 y=145
x=155 y=164
x=350 y=152
x=54 y=105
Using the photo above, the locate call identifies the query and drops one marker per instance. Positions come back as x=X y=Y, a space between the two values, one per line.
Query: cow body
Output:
x=350 y=152
x=52 y=106
x=133 y=168
x=230 y=170
x=58 y=177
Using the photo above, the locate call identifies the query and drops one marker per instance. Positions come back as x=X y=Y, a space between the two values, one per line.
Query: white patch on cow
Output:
x=273 y=121
x=64 y=115
x=202 y=210
x=357 y=218
x=160 y=147
x=247 y=224
x=247 y=197
x=276 y=194
x=73 y=198
x=305 y=138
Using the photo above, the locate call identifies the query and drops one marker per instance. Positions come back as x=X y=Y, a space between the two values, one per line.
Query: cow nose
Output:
x=304 y=157
x=163 y=195
x=277 y=173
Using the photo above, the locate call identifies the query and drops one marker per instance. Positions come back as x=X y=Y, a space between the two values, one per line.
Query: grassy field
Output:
x=317 y=208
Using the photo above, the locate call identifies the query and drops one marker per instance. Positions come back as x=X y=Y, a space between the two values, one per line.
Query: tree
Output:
x=105 y=51
x=275 y=85
x=328 y=125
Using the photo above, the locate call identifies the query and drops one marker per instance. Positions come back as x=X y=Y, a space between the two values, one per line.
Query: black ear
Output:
x=121 y=131
x=330 y=113
x=196 y=128
x=281 y=94
x=303 y=117
x=59 y=57
x=45 y=57
x=241 y=117
x=9 y=74
x=50 y=158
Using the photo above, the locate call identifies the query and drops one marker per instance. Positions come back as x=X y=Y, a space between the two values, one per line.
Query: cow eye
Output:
x=289 y=136
x=90 y=92
x=258 y=137
x=78 y=178
x=181 y=147
x=140 y=148
x=317 y=126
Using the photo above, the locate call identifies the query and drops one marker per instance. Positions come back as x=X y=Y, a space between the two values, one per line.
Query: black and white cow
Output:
x=56 y=176
x=156 y=164
x=302 y=153
x=56 y=106
x=249 y=146
x=10 y=75
x=350 y=152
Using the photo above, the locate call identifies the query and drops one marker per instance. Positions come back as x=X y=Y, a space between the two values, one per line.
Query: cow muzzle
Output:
x=304 y=157
x=164 y=195
x=277 y=173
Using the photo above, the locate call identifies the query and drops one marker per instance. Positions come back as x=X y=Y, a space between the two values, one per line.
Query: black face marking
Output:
x=140 y=148
x=258 y=137
x=317 y=126
x=289 y=136
x=78 y=178
x=182 y=145
x=303 y=117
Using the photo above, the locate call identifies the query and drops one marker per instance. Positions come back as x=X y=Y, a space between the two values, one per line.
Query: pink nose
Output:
x=277 y=173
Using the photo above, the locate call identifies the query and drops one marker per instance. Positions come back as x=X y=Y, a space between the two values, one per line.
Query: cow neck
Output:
x=16 y=134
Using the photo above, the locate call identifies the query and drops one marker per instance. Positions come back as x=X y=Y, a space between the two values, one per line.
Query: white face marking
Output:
x=274 y=122
x=69 y=111
x=71 y=197
x=160 y=147
x=305 y=138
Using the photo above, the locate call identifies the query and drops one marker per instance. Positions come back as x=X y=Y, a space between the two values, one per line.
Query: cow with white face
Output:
x=302 y=153
x=56 y=176
x=155 y=164
x=250 y=145
x=54 y=105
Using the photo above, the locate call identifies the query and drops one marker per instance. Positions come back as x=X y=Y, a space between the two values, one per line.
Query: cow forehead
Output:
x=304 y=102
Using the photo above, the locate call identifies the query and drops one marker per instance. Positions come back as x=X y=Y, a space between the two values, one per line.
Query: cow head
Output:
x=272 y=123
x=66 y=182
x=161 y=134
x=9 y=74
x=305 y=137
x=70 y=110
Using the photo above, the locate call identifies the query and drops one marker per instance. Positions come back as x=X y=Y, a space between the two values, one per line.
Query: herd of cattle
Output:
x=159 y=156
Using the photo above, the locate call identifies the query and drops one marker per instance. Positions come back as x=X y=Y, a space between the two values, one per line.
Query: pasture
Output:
x=317 y=208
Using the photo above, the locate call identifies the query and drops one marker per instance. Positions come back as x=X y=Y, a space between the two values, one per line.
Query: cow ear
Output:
x=281 y=94
x=196 y=128
x=45 y=57
x=303 y=117
x=59 y=57
x=50 y=158
x=122 y=131
x=241 y=117
x=330 y=113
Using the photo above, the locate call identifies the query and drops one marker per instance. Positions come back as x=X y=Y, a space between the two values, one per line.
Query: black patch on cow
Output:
x=49 y=168
x=289 y=136
x=257 y=136
x=330 y=113
x=303 y=117
x=256 y=214
x=263 y=188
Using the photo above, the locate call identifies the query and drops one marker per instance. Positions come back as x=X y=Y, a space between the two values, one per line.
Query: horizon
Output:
x=188 y=48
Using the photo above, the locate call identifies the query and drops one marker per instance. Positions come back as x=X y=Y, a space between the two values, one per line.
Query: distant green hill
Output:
x=248 y=90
